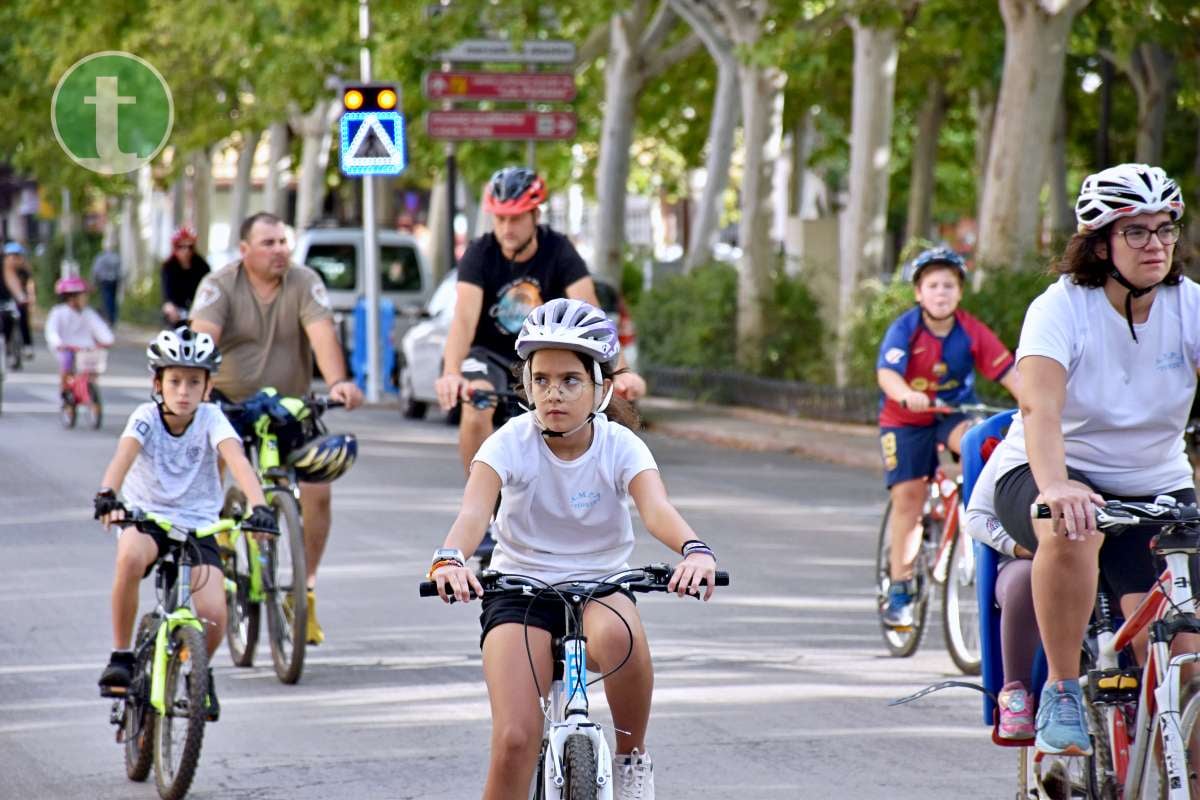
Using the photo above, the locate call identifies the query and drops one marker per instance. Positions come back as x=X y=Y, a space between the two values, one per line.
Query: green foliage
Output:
x=47 y=264
x=876 y=306
x=633 y=278
x=1003 y=298
x=794 y=347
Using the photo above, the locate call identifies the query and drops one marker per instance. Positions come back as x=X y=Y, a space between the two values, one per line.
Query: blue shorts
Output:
x=911 y=452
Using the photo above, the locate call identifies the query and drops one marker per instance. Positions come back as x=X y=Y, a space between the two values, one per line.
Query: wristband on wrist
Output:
x=443 y=563
x=696 y=546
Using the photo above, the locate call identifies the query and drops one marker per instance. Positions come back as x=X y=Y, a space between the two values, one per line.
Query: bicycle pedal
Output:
x=1118 y=685
x=120 y=692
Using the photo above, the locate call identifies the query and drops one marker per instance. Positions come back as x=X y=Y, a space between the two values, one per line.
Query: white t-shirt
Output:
x=1127 y=402
x=981 y=521
x=66 y=327
x=564 y=520
x=177 y=476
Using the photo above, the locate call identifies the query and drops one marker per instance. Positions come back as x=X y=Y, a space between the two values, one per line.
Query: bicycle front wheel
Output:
x=960 y=608
x=179 y=732
x=243 y=613
x=1189 y=729
x=138 y=723
x=900 y=642
x=287 y=596
x=579 y=757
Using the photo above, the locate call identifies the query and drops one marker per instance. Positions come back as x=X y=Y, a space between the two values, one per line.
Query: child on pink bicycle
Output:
x=73 y=326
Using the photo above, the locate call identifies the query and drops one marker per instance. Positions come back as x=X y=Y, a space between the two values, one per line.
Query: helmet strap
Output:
x=524 y=246
x=1133 y=292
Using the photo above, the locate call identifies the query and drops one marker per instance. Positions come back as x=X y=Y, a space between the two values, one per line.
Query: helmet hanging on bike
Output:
x=325 y=458
x=514 y=190
x=569 y=324
x=183 y=347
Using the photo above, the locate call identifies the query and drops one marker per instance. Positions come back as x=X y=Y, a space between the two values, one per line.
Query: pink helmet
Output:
x=72 y=284
x=183 y=233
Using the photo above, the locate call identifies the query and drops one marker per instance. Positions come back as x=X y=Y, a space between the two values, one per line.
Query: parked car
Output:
x=338 y=256
x=419 y=354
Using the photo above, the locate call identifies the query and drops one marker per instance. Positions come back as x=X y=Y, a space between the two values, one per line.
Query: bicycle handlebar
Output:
x=1115 y=516
x=966 y=408
x=482 y=398
x=651 y=578
x=153 y=523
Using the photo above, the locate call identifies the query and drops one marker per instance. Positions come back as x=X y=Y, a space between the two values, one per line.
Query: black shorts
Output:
x=482 y=364
x=1127 y=565
x=210 y=554
x=545 y=612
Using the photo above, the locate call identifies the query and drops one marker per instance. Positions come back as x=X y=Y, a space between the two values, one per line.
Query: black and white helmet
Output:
x=568 y=324
x=183 y=347
x=1126 y=190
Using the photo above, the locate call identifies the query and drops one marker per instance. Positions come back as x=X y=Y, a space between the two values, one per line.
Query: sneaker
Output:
x=1061 y=729
x=315 y=634
x=1016 y=712
x=635 y=777
x=118 y=674
x=898 y=613
x=212 y=706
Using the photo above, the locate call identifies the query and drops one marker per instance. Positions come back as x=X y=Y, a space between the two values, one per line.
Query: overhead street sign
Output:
x=529 y=87
x=552 y=51
x=461 y=125
x=372 y=143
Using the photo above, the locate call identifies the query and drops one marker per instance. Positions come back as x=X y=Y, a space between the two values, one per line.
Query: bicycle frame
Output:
x=1159 y=692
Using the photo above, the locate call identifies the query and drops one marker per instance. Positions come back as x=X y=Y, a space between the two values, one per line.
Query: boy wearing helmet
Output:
x=927 y=358
x=1113 y=348
x=72 y=325
x=166 y=463
x=566 y=471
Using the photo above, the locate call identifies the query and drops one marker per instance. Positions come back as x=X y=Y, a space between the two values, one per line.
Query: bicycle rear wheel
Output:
x=900 y=643
x=579 y=759
x=138 y=723
x=960 y=608
x=179 y=732
x=287 y=596
x=244 y=614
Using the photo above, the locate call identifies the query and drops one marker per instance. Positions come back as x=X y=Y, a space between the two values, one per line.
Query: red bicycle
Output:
x=81 y=389
x=945 y=559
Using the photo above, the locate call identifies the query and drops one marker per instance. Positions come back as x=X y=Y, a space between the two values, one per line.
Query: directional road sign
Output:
x=551 y=51
x=500 y=125
x=525 y=87
x=372 y=143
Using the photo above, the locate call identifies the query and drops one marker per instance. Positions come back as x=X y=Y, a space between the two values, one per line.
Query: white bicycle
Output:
x=575 y=761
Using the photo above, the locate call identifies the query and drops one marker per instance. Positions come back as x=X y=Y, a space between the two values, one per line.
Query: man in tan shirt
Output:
x=270 y=317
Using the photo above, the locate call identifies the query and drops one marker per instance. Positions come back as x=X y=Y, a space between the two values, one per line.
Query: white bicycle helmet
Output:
x=1126 y=190
x=567 y=324
x=183 y=347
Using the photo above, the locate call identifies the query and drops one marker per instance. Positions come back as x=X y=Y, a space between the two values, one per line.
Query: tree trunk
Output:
x=622 y=85
x=984 y=104
x=864 y=221
x=762 y=120
x=1034 y=60
x=721 y=129
x=802 y=145
x=924 y=159
x=316 y=128
x=1156 y=70
x=201 y=202
x=1062 y=206
x=240 y=202
x=273 y=191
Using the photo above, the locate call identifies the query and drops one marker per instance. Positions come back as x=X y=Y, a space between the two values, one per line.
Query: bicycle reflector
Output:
x=370 y=97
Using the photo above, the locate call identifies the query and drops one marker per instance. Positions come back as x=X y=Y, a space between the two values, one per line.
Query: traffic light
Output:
x=369 y=97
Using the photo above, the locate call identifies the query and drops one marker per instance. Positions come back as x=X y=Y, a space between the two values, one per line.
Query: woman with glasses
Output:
x=1109 y=354
x=181 y=274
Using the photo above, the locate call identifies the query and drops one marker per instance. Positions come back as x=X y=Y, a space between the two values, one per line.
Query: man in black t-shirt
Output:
x=503 y=276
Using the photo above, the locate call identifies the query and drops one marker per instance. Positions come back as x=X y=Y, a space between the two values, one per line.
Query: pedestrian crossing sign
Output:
x=372 y=143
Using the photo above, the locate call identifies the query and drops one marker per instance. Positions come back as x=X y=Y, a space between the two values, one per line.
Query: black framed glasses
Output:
x=1138 y=237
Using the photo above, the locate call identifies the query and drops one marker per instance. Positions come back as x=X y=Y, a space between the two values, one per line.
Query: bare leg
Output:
x=315 y=505
x=135 y=552
x=516 y=717
x=208 y=592
x=630 y=689
x=908 y=498
x=1065 y=573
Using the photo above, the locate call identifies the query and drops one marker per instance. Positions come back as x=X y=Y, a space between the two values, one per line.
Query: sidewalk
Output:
x=854 y=446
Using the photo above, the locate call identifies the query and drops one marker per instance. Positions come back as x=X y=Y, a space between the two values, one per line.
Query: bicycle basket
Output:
x=94 y=360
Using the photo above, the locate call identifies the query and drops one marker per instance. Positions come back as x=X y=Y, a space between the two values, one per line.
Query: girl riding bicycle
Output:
x=927 y=358
x=566 y=471
x=166 y=463
x=72 y=326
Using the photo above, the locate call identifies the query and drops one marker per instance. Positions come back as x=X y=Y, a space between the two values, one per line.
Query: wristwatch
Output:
x=448 y=554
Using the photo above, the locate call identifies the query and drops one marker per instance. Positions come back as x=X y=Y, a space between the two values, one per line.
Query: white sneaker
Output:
x=635 y=776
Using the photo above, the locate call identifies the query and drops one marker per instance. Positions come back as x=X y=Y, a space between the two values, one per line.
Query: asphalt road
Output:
x=776 y=689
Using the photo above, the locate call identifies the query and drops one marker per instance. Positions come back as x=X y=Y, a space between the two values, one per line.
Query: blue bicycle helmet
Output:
x=14 y=249
x=941 y=255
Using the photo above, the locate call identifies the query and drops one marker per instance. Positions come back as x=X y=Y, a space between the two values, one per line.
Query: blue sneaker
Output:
x=899 y=612
x=1061 y=727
